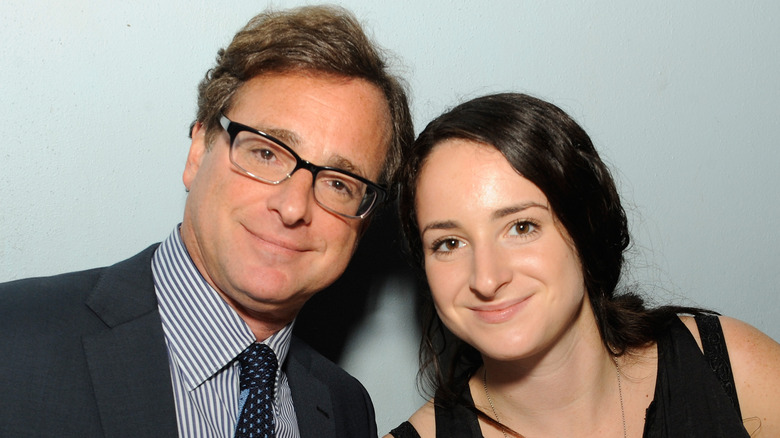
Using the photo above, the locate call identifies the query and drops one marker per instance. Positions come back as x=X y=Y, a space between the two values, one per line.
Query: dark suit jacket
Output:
x=83 y=355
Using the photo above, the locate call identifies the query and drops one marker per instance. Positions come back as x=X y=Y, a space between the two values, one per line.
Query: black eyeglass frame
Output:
x=233 y=128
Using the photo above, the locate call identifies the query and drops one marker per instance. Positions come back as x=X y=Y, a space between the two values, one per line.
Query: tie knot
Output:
x=258 y=366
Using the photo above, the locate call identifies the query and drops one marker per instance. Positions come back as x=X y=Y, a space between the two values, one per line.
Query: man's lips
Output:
x=276 y=243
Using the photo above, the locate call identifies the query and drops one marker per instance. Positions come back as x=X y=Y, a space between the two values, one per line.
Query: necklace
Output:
x=620 y=394
x=487 y=394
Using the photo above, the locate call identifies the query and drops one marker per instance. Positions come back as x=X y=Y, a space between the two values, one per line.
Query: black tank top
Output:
x=694 y=393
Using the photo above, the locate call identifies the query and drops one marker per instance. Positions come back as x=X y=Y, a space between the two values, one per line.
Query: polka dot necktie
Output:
x=258 y=373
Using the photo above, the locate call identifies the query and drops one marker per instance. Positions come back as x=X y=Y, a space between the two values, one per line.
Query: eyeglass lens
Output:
x=269 y=162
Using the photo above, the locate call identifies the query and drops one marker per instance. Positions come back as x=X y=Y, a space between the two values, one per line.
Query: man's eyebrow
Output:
x=289 y=138
x=343 y=163
x=293 y=141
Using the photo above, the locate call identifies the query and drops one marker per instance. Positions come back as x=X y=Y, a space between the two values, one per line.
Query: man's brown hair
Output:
x=324 y=40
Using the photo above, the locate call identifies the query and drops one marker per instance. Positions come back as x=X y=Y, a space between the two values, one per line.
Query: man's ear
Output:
x=195 y=155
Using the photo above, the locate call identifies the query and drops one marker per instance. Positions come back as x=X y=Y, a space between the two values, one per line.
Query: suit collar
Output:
x=125 y=291
x=128 y=362
x=311 y=397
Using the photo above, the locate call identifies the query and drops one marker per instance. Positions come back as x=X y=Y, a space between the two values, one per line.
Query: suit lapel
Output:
x=128 y=362
x=311 y=397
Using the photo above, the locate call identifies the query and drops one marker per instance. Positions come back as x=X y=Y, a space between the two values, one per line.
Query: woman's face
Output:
x=504 y=277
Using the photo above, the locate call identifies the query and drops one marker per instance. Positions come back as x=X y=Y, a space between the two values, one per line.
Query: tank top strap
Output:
x=458 y=421
x=714 y=346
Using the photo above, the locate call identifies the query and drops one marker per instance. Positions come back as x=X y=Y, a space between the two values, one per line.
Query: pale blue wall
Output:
x=681 y=97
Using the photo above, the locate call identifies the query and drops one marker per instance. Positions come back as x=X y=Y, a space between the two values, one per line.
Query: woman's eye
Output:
x=447 y=245
x=522 y=228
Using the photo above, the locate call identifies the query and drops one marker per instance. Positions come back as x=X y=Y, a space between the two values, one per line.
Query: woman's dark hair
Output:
x=545 y=146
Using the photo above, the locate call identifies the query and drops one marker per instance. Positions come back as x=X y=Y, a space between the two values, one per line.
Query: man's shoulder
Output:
x=26 y=303
x=320 y=387
x=303 y=359
x=79 y=338
x=30 y=287
x=305 y=355
x=69 y=280
x=33 y=299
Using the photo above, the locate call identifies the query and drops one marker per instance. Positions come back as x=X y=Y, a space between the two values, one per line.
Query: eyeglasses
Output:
x=266 y=159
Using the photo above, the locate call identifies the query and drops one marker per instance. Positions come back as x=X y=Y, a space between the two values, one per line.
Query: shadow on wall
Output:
x=330 y=316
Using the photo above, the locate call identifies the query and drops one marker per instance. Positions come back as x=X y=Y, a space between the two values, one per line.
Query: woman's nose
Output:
x=489 y=271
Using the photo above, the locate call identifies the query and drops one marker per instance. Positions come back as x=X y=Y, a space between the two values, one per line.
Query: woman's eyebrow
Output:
x=506 y=211
x=439 y=225
x=498 y=214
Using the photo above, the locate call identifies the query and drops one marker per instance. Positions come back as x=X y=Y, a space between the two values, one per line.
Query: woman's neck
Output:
x=570 y=389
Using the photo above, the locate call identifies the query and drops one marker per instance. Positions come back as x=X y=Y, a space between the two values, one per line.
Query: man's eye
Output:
x=338 y=185
x=341 y=187
x=264 y=154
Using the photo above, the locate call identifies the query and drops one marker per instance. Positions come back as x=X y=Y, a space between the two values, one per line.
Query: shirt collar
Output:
x=204 y=333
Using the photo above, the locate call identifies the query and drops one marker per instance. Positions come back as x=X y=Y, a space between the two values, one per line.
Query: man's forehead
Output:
x=284 y=106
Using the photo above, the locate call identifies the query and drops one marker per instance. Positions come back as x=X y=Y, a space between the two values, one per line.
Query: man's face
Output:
x=267 y=248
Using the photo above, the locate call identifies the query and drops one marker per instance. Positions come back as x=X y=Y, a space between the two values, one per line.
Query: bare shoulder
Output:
x=755 y=363
x=424 y=420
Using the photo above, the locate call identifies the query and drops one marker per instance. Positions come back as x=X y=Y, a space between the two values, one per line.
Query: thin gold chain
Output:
x=620 y=394
x=493 y=408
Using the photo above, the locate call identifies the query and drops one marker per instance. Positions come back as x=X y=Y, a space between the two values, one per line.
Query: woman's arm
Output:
x=755 y=363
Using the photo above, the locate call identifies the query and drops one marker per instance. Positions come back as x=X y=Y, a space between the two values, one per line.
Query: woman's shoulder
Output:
x=755 y=364
x=746 y=345
x=422 y=422
x=404 y=430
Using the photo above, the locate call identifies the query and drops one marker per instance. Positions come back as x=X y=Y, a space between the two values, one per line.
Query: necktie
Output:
x=258 y=373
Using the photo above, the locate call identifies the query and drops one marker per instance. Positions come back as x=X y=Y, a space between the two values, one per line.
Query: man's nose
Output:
x=293 y=198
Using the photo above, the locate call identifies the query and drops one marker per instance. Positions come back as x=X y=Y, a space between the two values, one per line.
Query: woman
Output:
x=521 y=233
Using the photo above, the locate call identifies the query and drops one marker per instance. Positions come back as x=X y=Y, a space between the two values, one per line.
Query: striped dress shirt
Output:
x=204 y=336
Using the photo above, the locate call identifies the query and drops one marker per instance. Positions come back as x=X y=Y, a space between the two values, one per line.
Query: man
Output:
x=299 y=126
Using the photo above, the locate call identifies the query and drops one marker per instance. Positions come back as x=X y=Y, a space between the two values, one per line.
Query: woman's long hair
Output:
x=548 y=148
